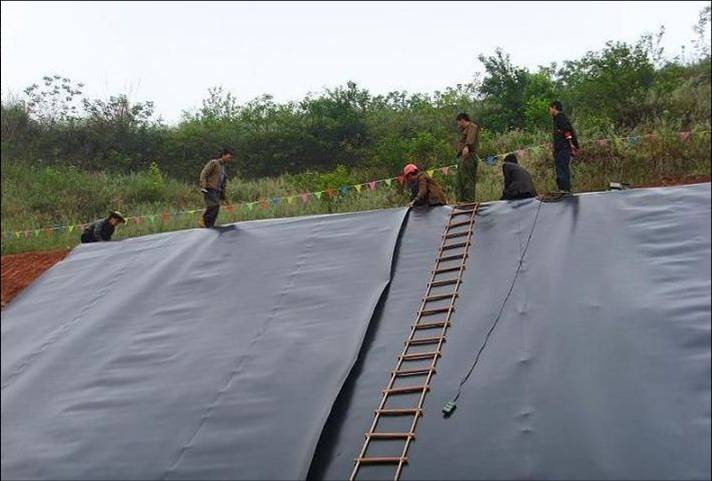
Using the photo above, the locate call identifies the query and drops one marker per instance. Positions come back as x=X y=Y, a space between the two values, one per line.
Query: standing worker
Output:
x=467 y=158
x=102 y=230
x=518 y=183
x=423 y=189
x=565 y=146
x=213 y=179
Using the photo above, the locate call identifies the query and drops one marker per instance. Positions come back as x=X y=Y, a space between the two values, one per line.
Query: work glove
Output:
x=203 y=190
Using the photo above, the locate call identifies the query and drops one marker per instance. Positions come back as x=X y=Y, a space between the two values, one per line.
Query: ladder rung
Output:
x=439 y=297
x=466 y=206
x=413 y=372
x=399 y=412
x=457 y=234
x=449 y=269
x=445 y=282
x=455 y=246
x=458 y=224
x=425 y=341
x=407 y=389
x=452 y=257
x=432 y=325
x=462 y=212
x=390 y=435
x=430 y=312
x=420 y=355
x=382 y=460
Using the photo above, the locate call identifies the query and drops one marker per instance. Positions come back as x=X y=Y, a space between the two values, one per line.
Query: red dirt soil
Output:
x=19 y=270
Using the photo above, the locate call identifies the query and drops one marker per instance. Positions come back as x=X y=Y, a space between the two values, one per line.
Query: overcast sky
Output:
x=172 y=52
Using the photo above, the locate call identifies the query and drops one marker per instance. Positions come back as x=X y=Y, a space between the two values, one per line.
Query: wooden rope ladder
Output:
x=447 y=252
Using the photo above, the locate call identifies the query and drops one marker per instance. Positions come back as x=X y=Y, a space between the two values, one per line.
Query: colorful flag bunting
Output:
x=685 y=136
x=444 y=170
x=344 y=189
x=70 y=228
x=275 y=200
x=358 y=187
x=305 y=197
x=263 y=204
x=389 y=182
x=290 y=199
x=431 y=172
x=318 y=194
x=372 y=185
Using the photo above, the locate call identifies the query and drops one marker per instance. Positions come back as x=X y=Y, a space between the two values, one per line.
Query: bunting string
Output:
x=330 y=193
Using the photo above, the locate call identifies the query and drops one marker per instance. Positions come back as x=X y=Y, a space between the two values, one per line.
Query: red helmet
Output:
x=409 y=169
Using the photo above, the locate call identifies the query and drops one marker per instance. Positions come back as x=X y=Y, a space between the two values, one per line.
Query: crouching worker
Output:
x=212 y=184
x=423 y=190
x=518 y=183
x=102 y=230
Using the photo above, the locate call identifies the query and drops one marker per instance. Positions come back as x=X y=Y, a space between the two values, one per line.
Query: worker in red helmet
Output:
x=423 y=190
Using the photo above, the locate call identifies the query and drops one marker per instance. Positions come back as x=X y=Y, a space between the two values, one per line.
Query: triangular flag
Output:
x=48 y=230
x=165 y=216
x=372 y=185
x=250 y=205
x=263 y=204
x=444 y=170
x=305 y=197
x=18 y=234
x=37 y=232
x=389 y=182
x=290 y=199
x=275 y=201
x=685 y=136
x=70 y=228
x=151 y=218
x=344 y=189
x=138 y=220
x=318 y=195
x=27 y=234
x=230 y=208
x=358 y=187
x=491 y=159
x=602 y=142
x=431 y=172
x=634 y=140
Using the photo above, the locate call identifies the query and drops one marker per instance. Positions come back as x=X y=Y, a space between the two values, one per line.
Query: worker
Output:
x=213 y=179
x=565 y=146
x=518 y=183
x=423 y=189
x=102 y=230
x=467 y=158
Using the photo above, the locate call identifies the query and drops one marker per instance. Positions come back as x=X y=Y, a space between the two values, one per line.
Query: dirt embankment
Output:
x=17 y=271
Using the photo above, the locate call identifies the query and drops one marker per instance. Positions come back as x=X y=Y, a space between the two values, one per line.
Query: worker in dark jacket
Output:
x=102 y=230
x=423 y=190
x=518 y=183
x=565 y=145
x=213 y=179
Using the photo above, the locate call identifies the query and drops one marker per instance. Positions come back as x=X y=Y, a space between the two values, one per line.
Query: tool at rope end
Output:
x=448 y=408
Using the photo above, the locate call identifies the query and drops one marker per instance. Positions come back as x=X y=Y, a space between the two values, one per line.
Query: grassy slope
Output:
x=39 y=197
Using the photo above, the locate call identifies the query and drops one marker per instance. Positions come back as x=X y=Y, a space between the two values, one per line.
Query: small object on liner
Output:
x=618 y=186
x=448 y=408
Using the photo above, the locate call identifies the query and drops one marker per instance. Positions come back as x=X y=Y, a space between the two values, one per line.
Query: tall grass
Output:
x=35 y=197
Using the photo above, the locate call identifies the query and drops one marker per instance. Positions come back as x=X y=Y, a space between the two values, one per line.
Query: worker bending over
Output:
x=518 y=183
x=102 y=230
x=423 y=190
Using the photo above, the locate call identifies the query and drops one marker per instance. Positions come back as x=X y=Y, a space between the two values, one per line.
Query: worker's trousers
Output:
x=466 y=179
x=562 y=158
x=212 y=207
